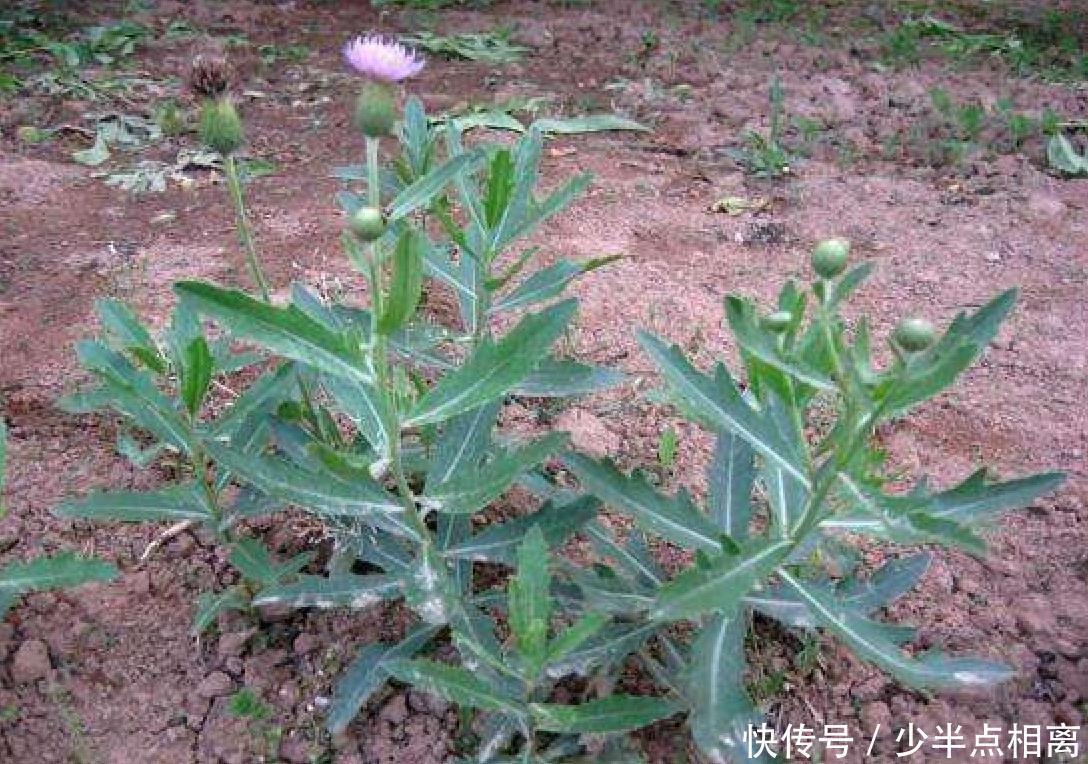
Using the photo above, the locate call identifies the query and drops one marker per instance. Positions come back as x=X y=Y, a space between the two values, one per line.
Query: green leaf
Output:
x=324 y=493
x=590 y=123
x=263 y=395
x=349 y=591
x=424 y=190
x=718 y=404
x=870 y=641
x=469 y=491
x=253 y=561
x=210 y=604
x=561 y=378
x=574 y=637
x=721 y=710
x=133 y=392
x=367 y=673
x=286 y=331
x=729 y=479
x=546 y=284
x=119 y=321
x=46 y=573
x=886 y=585
x=172 y=504
x=406 y=287
x=677 y=519
x=495 y=367
x=197 y=375
x=761 y=344
x=975 y=500
x=721 y=586
x=366 y=407
x=617 y=713
x=610 y=646
x=529 y=605
x=453 y=684
x=497 y=542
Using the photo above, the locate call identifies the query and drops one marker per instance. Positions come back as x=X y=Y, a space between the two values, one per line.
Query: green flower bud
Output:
x=779 y=321
x=220 y=126
x=914 y=334
x=829 y=257
x=368 y=224
x=376 y=110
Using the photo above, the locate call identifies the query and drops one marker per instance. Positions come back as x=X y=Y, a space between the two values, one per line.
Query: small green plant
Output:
x=512 y=686
x=668 y=446
x=796 y=361
x=246 y=704
x=493 y=47
x=764 y=155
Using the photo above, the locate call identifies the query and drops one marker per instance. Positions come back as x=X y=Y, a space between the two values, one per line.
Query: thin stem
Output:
x=234 y=184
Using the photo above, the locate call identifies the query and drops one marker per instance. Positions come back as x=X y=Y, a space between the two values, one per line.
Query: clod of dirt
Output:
x=295 y=751
x=214 y=685
x=233 y=643
x=588 y=433
x=31 y=662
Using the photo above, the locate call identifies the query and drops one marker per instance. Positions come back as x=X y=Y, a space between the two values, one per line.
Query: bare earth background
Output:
x=120 y=680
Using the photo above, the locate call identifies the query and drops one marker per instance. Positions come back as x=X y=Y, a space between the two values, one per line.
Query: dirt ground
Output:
x=122 y=681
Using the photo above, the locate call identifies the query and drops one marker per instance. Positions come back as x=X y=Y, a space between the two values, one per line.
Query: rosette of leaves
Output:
x=510 y=684
x=780 y=467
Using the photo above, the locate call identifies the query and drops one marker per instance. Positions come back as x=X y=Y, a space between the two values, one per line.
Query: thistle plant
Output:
x=382 y=424
x=782 y=489
x=221 y=130
x=375 y=420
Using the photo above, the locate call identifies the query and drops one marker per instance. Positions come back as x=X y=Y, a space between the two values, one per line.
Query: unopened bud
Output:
x=914 y=334
x=376 y=110
x=829 y=257
x=368 y=224
x=220 y=126
x=779 y=321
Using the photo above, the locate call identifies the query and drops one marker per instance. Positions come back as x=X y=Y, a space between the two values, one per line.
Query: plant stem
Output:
x=234 y=184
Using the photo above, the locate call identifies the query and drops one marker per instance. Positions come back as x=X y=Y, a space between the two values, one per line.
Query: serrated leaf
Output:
x=47 y=573
x=496 y=543
x=870 y=641
x=210 y=604
x=542 y=285
x=494 y=368
x=286 y=331
x=172 y=504
x=975 y=500
x=677 y=518
x=617 y=713
x=729 y=479
x=718 y=404
x=119 y=321
x=469 y=491
x=609 y=646
x=324 y=493
x=348 y=591
x=253 y=561
x=886 y=585
x=721 y=710
x=529 y=605
x=721 y=586
x=576 y=635
x=423 y=191
x=365 y=405
x=367 y=673
x=761 y=344
x=406 y=287
x=561 y=378
x=197 y=375
x=453 y=684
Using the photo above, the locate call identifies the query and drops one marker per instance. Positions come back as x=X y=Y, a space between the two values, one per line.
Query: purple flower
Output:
x=380 y=59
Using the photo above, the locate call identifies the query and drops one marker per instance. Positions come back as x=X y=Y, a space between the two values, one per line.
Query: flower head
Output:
x=381 y=59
